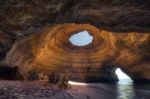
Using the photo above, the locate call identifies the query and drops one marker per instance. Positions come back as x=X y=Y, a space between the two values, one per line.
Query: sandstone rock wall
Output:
x=51 y=51
x=120 y=29
x=27 y=16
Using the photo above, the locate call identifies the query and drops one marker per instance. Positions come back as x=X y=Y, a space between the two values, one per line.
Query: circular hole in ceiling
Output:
x=82 y=38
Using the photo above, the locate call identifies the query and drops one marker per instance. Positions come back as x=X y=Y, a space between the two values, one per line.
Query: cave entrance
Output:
x=123 y=77
x=82 y=38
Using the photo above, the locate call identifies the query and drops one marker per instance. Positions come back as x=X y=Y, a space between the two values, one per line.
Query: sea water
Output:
x=124 y=89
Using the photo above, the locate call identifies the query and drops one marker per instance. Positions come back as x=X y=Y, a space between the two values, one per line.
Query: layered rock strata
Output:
x=51 y=53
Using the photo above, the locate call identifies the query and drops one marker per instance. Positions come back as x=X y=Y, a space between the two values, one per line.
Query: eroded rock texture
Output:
x=26 y=16
x=5 y=44
x=120 y=29
x=51 y=51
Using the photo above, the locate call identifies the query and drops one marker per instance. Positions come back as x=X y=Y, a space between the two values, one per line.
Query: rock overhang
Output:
x=50 y=51
x=126 y=24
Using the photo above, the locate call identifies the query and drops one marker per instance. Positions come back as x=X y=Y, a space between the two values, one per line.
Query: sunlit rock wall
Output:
x=120 y=29
x=51 y=51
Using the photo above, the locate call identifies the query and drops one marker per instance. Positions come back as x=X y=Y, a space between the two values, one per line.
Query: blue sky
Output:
x=81 y=39
x=121 y=74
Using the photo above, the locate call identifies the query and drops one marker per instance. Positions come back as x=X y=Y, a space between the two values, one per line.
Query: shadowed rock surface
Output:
x=51 y=51
x=41 y=30
x=26 y=16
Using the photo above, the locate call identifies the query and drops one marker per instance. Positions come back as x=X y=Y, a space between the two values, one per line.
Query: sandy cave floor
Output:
x=41 y=90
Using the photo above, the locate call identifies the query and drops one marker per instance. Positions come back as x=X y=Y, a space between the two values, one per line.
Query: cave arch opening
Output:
x=80 y=39
x=123 y=78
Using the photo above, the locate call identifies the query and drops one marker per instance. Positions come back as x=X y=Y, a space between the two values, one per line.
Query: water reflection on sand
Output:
x=122 y=90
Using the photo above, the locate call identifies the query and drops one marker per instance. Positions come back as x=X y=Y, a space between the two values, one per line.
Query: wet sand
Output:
x=40 y=90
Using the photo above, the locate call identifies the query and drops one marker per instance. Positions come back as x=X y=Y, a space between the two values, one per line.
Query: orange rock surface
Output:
x=50 y=52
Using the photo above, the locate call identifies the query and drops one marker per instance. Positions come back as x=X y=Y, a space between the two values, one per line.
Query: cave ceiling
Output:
x=34 y=37
x=27 y=16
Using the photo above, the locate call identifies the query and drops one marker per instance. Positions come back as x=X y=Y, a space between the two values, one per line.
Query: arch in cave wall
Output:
x=50 y=52
x=121 y=30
